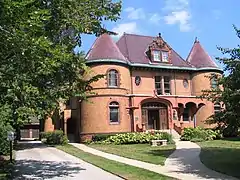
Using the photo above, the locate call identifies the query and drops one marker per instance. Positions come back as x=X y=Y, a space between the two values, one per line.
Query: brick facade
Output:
x=139 y=107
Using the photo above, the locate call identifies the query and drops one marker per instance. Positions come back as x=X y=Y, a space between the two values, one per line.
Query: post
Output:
x=11 y=149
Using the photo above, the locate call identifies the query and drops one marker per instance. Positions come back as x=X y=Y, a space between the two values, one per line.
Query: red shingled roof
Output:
x=199 y=57
x=133 y=47
x=104 y=48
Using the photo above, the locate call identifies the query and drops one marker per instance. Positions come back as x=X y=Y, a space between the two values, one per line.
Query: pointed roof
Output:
x=104 y=48
x=199 y=57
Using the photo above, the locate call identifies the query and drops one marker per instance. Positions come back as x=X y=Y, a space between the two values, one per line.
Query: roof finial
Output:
x=159 y=35
x=196 y=40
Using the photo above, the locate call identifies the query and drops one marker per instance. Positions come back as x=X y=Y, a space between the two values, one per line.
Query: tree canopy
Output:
x=228 y=91
x=38 y=67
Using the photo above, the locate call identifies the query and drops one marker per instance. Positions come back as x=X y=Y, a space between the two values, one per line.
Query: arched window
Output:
x=217 y=108
x=113 y=77
x=114 y=112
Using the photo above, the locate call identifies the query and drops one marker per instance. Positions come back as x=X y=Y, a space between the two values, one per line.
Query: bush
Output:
x=56 y=137
x=137 y=138
x=197 y=133
x=4 y=143
x=100 y=137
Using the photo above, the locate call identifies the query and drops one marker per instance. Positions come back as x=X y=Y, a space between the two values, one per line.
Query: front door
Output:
x=153 y=119
x=163 y=118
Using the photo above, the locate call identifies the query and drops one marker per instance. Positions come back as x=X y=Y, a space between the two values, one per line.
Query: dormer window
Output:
x=156 y=55
x=160 y=56
x=164 y=56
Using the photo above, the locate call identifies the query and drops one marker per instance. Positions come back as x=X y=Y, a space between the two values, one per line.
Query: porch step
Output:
x=172 y=132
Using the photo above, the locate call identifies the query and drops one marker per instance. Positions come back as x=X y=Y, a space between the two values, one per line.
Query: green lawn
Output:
x=222 y=156
x=120 y=169
x=142 y=152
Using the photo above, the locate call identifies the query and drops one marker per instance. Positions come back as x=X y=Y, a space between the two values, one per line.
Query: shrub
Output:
x=100 y=137
x=4 y=143
x=137 y=138
x=56 y=137
x=198 y=133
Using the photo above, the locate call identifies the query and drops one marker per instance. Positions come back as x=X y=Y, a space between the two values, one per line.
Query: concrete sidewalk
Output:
x=36 y=161
x=184 y=163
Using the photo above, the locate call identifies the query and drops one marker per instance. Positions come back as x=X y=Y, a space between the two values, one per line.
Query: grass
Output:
x=125 y=171
x=222 y=155
x=6 y=168
x=142 y=152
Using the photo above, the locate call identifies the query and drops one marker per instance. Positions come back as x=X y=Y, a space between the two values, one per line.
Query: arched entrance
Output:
x=155 y=115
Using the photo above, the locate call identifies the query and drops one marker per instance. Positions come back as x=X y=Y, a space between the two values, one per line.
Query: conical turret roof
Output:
x=104 y=48
x=199 y=58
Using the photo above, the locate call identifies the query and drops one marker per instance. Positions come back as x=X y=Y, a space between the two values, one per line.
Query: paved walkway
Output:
x=184 y=163
x=37 y=161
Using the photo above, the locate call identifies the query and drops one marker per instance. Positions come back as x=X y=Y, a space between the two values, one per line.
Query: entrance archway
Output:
x=155 y=115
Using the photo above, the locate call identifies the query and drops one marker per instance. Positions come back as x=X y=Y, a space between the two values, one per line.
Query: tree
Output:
x=229 y=94
x=37 y=65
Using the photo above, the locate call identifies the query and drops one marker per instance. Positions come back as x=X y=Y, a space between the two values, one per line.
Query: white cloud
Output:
x=126 y=27
x=135 y=14
x=155 y=18
x=177 y=12
x=216 y=14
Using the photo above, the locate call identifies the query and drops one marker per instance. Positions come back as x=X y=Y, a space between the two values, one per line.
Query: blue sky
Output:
x=179 y=21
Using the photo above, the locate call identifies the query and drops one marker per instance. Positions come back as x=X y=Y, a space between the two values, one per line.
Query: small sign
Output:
x=10 y=136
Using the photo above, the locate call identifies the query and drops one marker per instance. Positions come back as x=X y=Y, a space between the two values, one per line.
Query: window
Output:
x=217 y=108
x=158 y=84
x=214 y=82
x=114 y=112
x=167 y=90
x=185 y=83
x=164 y=56
x=156 y=56
x=186 y=114
x=112 y=78
x=162 y=87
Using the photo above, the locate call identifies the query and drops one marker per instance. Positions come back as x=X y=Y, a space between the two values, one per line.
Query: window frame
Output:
x=157 y=53
x=114 y=105
x=163 y=84
x=162 y=52
x=116 y=78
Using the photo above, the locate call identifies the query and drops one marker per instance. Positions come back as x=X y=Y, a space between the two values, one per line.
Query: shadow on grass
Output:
x=32 y=169
x=6 y=168
x=161 y=152
x=232 y=139
x=225 y=159
x=186 y=161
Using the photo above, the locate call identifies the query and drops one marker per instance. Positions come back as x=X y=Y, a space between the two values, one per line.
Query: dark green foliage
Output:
x=38 y=67
x=56 y=137
x=137 y=138
x=4 y=143
x=101 y=137
x=199 y=134
x=229 y=118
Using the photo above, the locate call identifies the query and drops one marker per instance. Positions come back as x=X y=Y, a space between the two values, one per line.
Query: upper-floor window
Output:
x=114 y=112
x=156 y=55
x=164 y=56
x=214 y=83
x=113 y=78
x=217 y=108
x=167 y=89
x=158 y=85
x=161 y=56
x=162 y=85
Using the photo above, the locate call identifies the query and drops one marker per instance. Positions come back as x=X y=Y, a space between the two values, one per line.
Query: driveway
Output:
x=36 y=161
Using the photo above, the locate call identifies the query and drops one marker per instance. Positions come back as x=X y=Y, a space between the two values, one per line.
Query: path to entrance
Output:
x=184 y=163
x=37 y=161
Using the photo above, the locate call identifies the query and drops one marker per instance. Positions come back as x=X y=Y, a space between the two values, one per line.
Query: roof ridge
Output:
x=137 y=35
